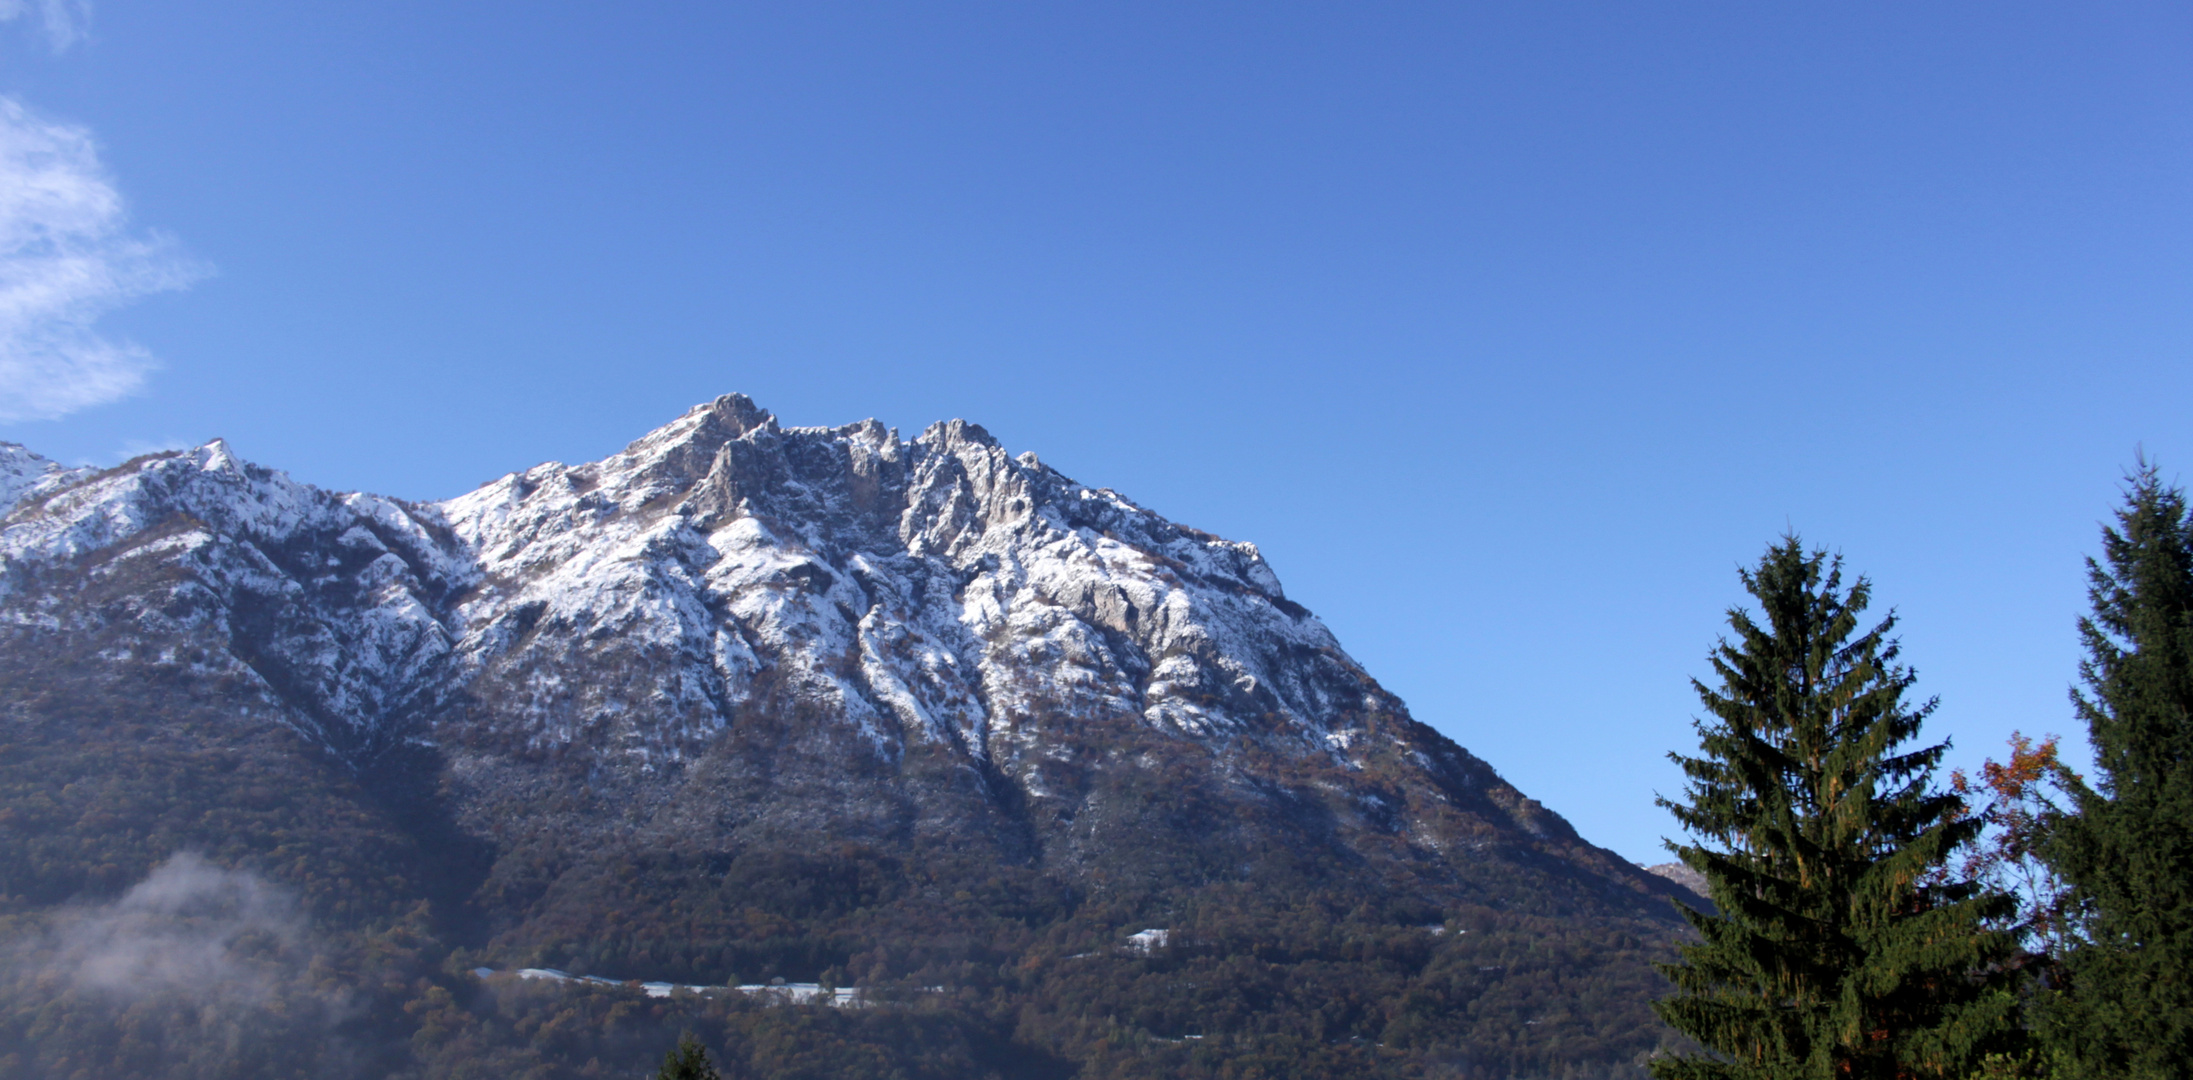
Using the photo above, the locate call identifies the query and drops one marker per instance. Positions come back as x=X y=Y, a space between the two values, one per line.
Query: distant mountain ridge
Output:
x=735 y=636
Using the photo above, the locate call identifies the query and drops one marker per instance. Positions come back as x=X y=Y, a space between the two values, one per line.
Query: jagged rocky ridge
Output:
x=734 y=629
x=746 y=701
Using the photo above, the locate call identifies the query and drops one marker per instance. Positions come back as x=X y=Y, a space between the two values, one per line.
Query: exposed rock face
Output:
x=1681 y=875
x=734 y=626
x=936 y=591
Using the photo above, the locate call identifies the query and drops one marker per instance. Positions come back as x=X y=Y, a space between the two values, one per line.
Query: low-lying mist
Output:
x=196 y=971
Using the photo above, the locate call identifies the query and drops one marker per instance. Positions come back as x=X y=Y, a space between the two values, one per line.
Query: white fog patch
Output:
x=67 y=257
x=219 y=968
x=190 y=927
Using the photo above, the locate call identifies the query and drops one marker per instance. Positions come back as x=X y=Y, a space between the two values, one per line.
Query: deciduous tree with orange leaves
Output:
x=2017 y=800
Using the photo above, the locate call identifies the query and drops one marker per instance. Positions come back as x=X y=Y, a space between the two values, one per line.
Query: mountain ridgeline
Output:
x=740 y=702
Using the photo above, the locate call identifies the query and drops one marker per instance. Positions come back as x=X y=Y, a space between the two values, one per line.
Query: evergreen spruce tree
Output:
x=1842 y=947
x=688 y=1062
x=2127 y=1007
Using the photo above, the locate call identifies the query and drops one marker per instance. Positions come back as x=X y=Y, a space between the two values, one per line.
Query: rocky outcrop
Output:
x=1682 y=875
x=935 y=590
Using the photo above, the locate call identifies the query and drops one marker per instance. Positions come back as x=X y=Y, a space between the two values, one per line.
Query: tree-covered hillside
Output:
x=333 y=916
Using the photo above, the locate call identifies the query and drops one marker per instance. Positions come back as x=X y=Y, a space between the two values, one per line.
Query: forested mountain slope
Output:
x=748 y=701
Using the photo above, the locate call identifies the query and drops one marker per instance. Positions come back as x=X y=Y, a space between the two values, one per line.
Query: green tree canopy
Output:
x=2128 y=850
x=688 y=1062
x=1842 y=947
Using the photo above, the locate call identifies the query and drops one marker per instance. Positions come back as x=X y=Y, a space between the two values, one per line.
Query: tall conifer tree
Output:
x=2128 y=851
x=1842 y=947
x=688 y=1062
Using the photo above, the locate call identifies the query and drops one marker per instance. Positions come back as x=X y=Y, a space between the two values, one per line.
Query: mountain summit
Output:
x=583 y=692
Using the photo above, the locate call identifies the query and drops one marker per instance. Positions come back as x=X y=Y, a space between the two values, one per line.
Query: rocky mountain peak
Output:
x=742 y=693
x=932 y=589
x=935 y=589
x=938 y=597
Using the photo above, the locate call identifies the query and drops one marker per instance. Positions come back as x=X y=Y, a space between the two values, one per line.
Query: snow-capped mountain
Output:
x=822 y=705
x=316 y=598
x=24 y=475
x=869 y=601
x=935 y=590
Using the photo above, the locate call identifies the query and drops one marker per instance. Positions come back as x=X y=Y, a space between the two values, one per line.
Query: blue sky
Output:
x=1507 y=330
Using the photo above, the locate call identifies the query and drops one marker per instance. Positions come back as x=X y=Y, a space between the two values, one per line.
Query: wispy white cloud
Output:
x=64 y=21
x=66 y=258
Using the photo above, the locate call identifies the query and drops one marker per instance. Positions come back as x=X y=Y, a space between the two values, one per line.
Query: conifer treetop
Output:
x=1841 y=946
